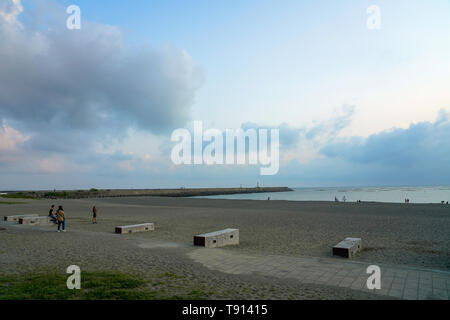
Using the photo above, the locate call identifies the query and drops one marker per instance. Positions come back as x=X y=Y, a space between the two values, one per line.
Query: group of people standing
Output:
x=344 y=199
x=60 y=218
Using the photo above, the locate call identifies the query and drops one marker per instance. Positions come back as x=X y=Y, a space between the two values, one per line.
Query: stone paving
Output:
x=396 y=281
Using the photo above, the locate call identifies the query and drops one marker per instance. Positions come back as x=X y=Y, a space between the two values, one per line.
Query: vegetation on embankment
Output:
x=96 y=193
x=19 y=195
x=11 y=202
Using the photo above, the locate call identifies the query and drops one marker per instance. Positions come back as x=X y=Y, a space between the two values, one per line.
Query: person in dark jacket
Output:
x=94 y=215
x=51 y=213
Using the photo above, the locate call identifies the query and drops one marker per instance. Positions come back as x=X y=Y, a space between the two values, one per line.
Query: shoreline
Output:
x=201 y=197
x=324 y=201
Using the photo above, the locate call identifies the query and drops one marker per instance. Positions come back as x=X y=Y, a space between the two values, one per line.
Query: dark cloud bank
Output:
x=424 y=144
x=417 y=155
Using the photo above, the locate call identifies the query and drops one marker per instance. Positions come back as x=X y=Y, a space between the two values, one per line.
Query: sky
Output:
x=96 y=107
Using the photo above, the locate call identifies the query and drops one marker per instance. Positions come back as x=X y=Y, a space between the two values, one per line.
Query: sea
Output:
x=351 y=194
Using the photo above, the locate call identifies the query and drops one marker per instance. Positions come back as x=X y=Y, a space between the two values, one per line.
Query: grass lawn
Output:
x=18 y=195
x=11 y=202
x=94 y=286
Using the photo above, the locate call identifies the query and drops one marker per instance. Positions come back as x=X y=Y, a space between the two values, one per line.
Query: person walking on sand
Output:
x=61 y=219
x=94 y=215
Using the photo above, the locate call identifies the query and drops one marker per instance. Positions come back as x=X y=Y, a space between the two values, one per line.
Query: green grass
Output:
x=10 y=202
x=94 y=286
x=52 y=286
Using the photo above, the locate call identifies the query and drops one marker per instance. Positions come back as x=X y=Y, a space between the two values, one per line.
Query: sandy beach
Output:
x=399 y=235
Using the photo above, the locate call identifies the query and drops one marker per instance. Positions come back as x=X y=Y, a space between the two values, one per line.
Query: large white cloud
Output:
x=63 y=92
x=88 y=79
x=9 y=11
x=10 y=139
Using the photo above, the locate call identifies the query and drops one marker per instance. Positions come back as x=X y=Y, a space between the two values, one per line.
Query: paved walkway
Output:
x=396 y=281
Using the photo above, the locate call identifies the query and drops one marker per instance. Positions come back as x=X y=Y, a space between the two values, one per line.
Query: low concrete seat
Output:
x=348 y=247
x=35 y=221
x=135 y=228
x=17 y=217
x=218 y=238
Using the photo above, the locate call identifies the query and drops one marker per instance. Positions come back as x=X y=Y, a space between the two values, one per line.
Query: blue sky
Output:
x=340 y=93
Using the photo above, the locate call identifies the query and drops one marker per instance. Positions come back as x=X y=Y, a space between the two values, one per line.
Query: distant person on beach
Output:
x=94 y=215
x=336 y=199
x=61 y=219
x=344 y=199
x=51 y=213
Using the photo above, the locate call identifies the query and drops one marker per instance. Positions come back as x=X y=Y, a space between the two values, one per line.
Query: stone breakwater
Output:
x=182 y=192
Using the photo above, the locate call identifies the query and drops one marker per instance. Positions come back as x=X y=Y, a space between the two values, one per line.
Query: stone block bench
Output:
x=348 y=247
x=35 y=221
x=135 y=228
x=218 y=238
x=17 y=217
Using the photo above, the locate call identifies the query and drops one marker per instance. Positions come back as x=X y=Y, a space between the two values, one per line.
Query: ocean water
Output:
x=352 y=194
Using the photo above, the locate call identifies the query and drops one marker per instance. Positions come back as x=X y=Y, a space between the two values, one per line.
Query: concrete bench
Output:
x=34 y=221
x=17 y=217
x=135 y=228
x=218 y=238
x=348 y=247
